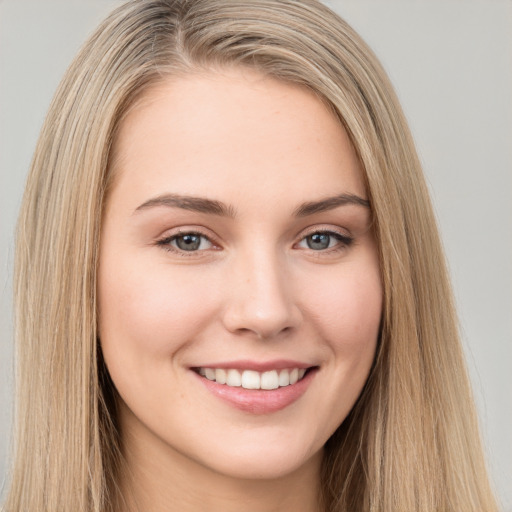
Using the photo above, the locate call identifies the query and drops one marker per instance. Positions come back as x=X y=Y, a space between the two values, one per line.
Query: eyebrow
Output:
x=213 y=207
x=330 y=203
x=196 y=204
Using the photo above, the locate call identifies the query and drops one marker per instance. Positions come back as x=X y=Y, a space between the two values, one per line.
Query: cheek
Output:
x=148 y=312
x=349 y=316
x=348 y=309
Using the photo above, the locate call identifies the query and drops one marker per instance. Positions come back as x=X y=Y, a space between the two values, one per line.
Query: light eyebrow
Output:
x=192 y=203
x=330 y=203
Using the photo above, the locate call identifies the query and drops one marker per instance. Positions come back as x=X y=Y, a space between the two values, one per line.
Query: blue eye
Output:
x=322 y=240
x=188 y=242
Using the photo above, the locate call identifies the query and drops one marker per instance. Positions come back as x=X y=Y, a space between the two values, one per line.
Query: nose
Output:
x=261 y=298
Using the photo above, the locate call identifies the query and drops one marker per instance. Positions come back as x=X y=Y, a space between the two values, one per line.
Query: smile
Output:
x=257 y=387
x=251 y=379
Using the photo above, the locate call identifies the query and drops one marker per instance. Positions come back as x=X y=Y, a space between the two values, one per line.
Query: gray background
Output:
x=451 y=62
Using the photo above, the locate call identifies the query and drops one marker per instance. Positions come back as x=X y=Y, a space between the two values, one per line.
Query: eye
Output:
x=188 y=242
x=323 y=240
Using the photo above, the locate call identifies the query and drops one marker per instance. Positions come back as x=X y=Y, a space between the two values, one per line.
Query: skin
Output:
x=253 y=290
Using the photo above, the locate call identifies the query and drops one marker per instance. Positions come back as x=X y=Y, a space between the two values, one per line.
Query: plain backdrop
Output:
x=451 y=63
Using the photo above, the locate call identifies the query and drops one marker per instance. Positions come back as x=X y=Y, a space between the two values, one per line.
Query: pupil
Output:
x=188 y=242
x=318 y=241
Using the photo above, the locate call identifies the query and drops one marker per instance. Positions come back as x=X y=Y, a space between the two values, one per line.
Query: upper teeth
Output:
x=250 y=379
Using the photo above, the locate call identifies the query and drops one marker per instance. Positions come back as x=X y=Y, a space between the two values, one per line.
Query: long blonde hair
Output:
x=411 y=443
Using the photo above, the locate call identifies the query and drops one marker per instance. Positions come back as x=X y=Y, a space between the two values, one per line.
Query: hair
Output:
x=411 y=442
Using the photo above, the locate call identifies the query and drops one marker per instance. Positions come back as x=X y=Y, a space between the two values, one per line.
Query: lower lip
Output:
x=259 y=401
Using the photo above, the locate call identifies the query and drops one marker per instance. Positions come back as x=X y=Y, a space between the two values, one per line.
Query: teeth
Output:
x=284 y=378
x=250 y=379
x=269 y=380
x=221 y=376
x=209 y=373
x=234 y=378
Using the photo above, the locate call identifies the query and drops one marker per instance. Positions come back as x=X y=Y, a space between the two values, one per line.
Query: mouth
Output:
x=252 y=379
x=254 y=390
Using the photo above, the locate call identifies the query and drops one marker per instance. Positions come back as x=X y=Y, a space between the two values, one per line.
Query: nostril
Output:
x=260 y=300
x=263 y=326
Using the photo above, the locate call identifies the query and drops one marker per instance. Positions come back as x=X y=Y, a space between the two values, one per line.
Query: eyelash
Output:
x=344 y=241
x=166 y=242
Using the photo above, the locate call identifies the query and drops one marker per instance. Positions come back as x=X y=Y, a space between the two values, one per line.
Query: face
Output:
x=239 y=287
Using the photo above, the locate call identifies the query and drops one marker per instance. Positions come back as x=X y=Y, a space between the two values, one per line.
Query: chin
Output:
x=264 y=460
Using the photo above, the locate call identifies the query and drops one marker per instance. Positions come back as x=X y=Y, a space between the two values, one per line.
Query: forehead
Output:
x=234 y=131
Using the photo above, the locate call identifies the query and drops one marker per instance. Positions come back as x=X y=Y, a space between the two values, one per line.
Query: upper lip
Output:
x=258 y=366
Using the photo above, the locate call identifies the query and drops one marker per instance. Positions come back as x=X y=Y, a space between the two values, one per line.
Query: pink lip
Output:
x=258 y=401
x=258 y=366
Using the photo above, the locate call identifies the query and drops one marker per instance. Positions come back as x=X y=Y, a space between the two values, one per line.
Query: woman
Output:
x=278 y=228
